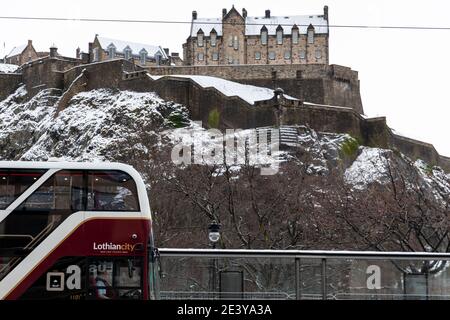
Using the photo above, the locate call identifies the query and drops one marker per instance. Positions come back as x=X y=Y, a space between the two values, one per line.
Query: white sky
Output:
x=404 y=73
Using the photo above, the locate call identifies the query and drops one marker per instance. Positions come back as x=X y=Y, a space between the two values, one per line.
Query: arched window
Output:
x=279 y=35
x=264 y=35
x=236 y=43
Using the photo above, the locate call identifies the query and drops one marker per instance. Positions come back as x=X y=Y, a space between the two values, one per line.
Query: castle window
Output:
x=111 y=51
x=230 y=60
x=311 y=36
x=230 y=41
x=143 y=56
x=158 y=59
x=257 y=55
x=264 y=36
x=201 y=57
x=95 y=53
x=287 y=55
x=127 y=53
x=213 y=39
x=200 y=39
x=272 y=55
x=280 y=36
x=215 y=56
x=302 y=54
x=295 y=36
x=236 y=43
x=318 y=54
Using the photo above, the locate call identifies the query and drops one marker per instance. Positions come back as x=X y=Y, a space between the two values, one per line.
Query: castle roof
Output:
x=253 y=25
x=17 y=50
x=121 y=45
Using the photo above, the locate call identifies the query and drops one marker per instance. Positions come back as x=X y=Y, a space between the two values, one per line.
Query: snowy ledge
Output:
x=8 y=68
x=250 y=94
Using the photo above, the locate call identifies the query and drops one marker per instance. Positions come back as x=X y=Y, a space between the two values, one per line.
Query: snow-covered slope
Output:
x=97 y=125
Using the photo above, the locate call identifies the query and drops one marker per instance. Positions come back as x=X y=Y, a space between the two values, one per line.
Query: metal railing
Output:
x=310 y=275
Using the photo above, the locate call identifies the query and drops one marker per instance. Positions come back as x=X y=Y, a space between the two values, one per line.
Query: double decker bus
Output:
x=75 y=231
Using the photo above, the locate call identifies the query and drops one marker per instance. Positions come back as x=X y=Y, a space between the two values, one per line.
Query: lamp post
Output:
x=214 y=237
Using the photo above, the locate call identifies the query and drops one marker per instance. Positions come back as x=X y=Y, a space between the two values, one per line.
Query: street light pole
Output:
x=214 y=237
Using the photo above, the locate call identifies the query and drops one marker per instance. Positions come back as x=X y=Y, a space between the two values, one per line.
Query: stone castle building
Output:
x=22 y=54
x=102 y=49
x=237 y=39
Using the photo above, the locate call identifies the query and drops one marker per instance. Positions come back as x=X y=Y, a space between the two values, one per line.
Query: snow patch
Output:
x=370 y=166
x=248 y=93
x=8 y=68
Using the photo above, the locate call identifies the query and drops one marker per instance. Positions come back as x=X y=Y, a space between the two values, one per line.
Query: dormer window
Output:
x=200 y=38
x=158 y=58
x=295 y=35
x=310 y=34
x=264 y=35
x=279 y=35
x=127 y=52
x=112 y=51
x=143 y=56
x=213 y=38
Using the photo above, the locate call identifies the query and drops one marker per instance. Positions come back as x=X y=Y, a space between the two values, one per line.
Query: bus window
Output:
x=111 y=191
x=118 y=278
x=43 y=210
x=64 y=191
x=14 y=182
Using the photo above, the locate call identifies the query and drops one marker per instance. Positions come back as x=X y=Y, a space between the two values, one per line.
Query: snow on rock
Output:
x=203 y=144
x=23 y=122
x=435 y=179
x=370 y=166
x=249 y=93
x=97 y=125
x=8 y=68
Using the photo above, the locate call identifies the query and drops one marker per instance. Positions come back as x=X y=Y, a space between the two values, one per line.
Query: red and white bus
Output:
x=75 y=231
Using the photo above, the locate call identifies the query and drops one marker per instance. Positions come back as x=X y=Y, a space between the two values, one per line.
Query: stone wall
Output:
x=322 y=84
x=236 y=113
x=106 y=74
x=8 y=83
x=420 y=150
x=46 y=73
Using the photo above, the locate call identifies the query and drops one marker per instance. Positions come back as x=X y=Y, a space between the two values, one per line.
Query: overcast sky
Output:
x=404 y=74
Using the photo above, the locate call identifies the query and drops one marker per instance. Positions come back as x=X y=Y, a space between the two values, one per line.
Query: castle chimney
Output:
x=30 y=42
x=77 y=54
x=224 y=12
x=194 y=15
x=53 y=51
x=267 y=14
x=244 y=13
x=325 y=13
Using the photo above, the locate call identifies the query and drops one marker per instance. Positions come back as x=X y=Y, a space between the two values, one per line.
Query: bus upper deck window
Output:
x=111 y=191
x=14 y=182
